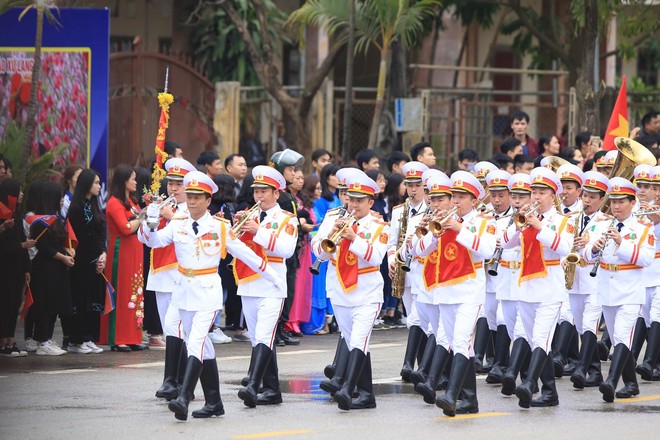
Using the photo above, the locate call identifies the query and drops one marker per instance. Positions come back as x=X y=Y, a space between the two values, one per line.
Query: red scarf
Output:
x=533 y=264
x=242 y=272
x=450 y=264
x=347 y=265
x=163 y=258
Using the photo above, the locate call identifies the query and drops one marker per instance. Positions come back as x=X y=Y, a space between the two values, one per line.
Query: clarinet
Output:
x=594 y=271
x=314 y=268
x=497 y=256
x=406 y=264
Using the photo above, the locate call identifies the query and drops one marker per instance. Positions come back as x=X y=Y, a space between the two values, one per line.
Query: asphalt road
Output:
x=111 y=396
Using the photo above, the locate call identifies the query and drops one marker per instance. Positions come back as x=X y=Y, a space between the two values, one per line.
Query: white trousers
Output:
x=459 y=321
x=519 y=328
x=509 y=313
x=169 y=315
x=586 y=312
x=261 y=316
x=410 y=303
x=356 y=324
x=539 y=321
x=651 y=308
x=620 y=322
x=429 y=318
x=196 y=325
x=493 y=311
x=566 y=314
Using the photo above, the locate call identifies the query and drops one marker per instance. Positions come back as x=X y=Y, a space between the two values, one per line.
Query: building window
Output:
x=121 y=44
x=648 y=65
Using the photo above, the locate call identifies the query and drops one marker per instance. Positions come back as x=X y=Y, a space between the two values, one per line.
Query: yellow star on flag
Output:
x=622 y=129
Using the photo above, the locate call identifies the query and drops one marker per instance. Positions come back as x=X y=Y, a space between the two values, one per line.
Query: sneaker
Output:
x=217 y=336
x=17 y=352
x=241 y=337
x=78 y=349
x=31 y=345
x=156 y=342
x=7 y=351
x=93 y=347
x=379 y=324
x=49 y=348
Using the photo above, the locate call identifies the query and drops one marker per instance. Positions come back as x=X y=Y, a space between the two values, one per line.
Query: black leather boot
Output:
x=645 y=369
x=249 y=393
x=525 y=391
x=420 y=348
x=169 y=389
x=502 y=343
x=246 y=379
x=285 y=335
x=481 y=340
x=459 y=369
x=271 y=395
x=639 y=337
x=344 y=397
x=211 y=386
x=329 y=369
x=604 y=346
x=436 y=368
x=179 y=406
x=579 y=376
x=619 y=359
x=549 y=396
x=366 y=398
x=469 y=403
x=630 y=386
x=415 y=335
x=334 y=384
x=489 y=359
x=595 y=375
x=419 y=375
x=519 y=352
x=573 y=354
x=564 y=336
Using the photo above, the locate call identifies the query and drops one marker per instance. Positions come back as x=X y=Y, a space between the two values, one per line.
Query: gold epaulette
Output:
x=179 y=217
x=646 y=223
x=288 y=213
x=221 y=219
x=329 y=211
x=398 y=206
x=380 y=221
x=485 y=216
x=375 y=214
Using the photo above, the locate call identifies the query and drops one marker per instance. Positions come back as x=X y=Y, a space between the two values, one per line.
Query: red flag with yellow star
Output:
x=618 y=125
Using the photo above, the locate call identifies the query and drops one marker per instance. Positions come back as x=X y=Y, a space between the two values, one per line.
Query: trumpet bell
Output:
x=328 y=246
x=421 y=231
x=436 y=228
x=554 y=162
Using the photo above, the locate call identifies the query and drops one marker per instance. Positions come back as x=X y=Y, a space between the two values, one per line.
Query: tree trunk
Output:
x=32 y=106
x=303 y=137
x=347 y=138
x=588 y=99
x=380 y=94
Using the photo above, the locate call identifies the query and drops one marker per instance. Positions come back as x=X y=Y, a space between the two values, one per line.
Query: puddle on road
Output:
x=630 y=409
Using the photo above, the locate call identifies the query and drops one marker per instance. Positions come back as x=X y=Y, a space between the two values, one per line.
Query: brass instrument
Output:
x=329 y=245
x=481 y=205
x=247 y=215
x=631 y=154
x=572 y=259
x=599 y=258
x=554 y=162
x=406 y=265
x=399 y=277
x=437 y=224
x=152 y=222
x=520 y=219
x=315 y=268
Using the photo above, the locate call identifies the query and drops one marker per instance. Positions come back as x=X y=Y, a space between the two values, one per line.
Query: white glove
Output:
x=153 y=210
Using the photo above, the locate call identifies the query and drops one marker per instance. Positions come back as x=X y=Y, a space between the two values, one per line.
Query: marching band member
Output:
x=356 y=284
x=652 y=306
x=583 y=296
x=200 y=241
x=565 y=346
x=498 y=188
x=162 y=277
x=272 y=235
x=544 y=240
x=412 y=172
x=627 y=247
x=455 y=258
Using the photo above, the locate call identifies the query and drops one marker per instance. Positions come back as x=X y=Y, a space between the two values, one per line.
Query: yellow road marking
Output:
x=70 y=371
x=275 y=434
x=474 y=416
x=639 y=399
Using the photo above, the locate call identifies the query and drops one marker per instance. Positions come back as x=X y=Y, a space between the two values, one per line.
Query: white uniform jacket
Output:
x=198 y=286
x=414 y=277
x=620 y=277
x=501 y=283
x=397 y=212
x=584 y=283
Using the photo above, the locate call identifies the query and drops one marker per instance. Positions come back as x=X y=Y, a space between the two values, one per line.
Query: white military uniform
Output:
x=566 y=314
x=356 y=310
x=461 y=303
x=493 y=310
x=262 y=303
x=198 y=288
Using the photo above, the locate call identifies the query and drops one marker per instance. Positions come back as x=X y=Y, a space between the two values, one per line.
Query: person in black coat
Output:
x=87 y=283
x=14 y=266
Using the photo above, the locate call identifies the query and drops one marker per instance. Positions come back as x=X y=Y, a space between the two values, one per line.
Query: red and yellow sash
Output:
x=347 y=265
x=533 y=264
x=454 y=261
x=242 y=272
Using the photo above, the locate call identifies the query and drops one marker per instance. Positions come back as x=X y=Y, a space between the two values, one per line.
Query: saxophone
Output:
x=573 y=258
x=399 y=278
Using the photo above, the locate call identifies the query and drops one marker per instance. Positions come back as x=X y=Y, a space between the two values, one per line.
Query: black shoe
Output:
x=356 y=361
x=169 y=389
x=211 y=386
x=604 y=346
x=619 y=359
x=519 y=353
x=428 y=388
x=569 y=368
x=366 y=398
x=656 y=375
x=249 y=393
x=285 y=336
x=415 y=335
x=120 y=348
x=469 y=403
x=459 y=369
x=271 y=395
x=337 y=381
x=419 y=375
x=587 y=354
x=645 y=369
x=525 y=391
x=549 y=396
x=179 y=406
x=333 y=327
x=138 y=347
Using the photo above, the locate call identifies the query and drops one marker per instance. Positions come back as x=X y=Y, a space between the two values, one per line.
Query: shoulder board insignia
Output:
x=179 y=217
x=398 y=206
x=376 y=214
x=333 y=210
x=288 y=213
x=380 y=221
x=486 y=216
x=645 y=222
x=221 y=219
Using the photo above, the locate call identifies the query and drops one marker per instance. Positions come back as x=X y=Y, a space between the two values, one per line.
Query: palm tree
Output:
x=378 y=23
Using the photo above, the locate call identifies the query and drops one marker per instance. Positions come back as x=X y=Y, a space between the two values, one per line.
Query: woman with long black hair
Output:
x=87 y=283
x=50 y=271
x=14 y=266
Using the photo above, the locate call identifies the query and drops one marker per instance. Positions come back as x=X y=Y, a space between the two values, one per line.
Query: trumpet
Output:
x=437 y=224
x=315 y=268
x=152 y=222
x=520 y=219
x=247 y=215
x=406 y=265
x=329 y=245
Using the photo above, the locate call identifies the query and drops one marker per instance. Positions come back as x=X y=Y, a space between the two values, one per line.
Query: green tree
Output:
x=378 y=23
